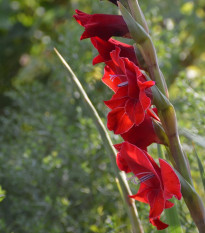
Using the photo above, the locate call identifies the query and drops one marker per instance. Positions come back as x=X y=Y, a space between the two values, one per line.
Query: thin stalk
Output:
x=120 y=176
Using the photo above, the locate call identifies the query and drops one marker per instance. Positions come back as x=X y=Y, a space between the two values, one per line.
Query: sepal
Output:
x=137 y=32
x=160 y=132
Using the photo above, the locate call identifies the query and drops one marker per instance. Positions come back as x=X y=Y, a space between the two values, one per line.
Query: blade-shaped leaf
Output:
x=199 y=140
x=200 y=166
x=172 y=217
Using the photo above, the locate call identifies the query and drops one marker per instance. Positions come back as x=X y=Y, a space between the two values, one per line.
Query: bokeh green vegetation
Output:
x=53 y=166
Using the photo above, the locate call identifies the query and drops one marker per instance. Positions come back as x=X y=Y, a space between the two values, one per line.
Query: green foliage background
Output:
x=53 y=167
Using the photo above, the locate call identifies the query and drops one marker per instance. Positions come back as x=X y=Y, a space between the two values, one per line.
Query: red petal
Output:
x=98 y=59
x=78 y=16
x=105 y=47
x=117 y=60
x=126 y=51
x=158 y=223
x=132 y=72
x=121 y=163
x=121 y=92
x=171 y=181
x=140 y=162
x=168 y=204
x=114 y=103
x=116 y=69
x=157 y=202
x=135 y=111
x=152 y=112
x=101 y=25
x=145 y=85
x=118 y=146
x=141 y=194
x=110 y=79
x=142 y=135
x=118 y=121
x=119 y=99
x=144 y=100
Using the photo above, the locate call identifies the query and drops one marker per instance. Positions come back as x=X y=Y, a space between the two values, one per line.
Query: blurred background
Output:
x=54 y=170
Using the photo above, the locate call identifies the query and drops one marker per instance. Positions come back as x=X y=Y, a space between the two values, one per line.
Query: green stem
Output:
x=148 y=52
x=120 y=176
x=168 y=120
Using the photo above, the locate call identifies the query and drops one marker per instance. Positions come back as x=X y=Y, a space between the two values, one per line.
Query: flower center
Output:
x=112 y=77
x=145 y=176
x=123 y=84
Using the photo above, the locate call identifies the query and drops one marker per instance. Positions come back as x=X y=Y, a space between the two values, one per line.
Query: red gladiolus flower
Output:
x=157 y=184
x=132 y=93
x=101 y=25
x=105 y=47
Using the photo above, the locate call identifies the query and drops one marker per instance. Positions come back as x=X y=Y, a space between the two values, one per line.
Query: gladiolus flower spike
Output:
x=131 y=113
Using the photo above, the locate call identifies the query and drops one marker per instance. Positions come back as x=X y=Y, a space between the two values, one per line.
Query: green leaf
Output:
x=172 y=218
x=199 y=140
x=185 y=185
x=201 y=169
